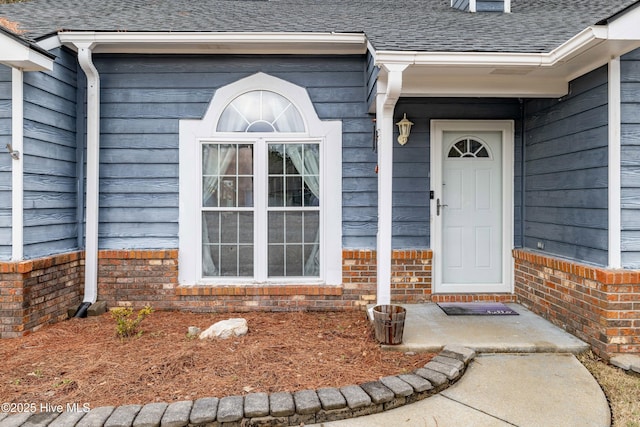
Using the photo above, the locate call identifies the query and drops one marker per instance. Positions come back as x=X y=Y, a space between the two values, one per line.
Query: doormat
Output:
x=476 y=309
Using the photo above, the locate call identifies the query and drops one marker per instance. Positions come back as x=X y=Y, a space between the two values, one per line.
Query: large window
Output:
x=231 y=213
x=260 y=214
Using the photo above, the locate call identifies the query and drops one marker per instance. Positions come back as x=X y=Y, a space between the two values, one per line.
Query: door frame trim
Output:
x=506 y=127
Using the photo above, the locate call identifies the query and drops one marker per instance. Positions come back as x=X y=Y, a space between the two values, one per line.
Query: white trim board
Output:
x=614 y=203
x=506 y=127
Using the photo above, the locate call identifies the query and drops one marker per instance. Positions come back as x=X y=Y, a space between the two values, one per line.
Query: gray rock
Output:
x=356 y=396
x=331 y=398
x=281 y=404
x=459 y=365
x=256 y=405
x=177 y=414
x=378 y=392
x=193 y=331
x=204 y=410
x=150 y=415
x=96 y=417
x=123 y=416
x=67 y=419
x=436 y=378
x=397 y=386
x=418 y=383
x=230 y=409
x=450 y=371
x=459 y=352
x=306 y=402
x=226 y=329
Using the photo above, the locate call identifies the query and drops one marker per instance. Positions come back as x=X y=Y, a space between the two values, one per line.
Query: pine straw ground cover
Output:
x=83 y=361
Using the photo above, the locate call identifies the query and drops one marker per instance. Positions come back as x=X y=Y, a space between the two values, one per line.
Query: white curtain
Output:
x=216 y=160
x=307 y=163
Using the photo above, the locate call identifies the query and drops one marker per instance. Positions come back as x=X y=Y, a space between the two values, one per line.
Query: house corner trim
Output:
x=614 y=203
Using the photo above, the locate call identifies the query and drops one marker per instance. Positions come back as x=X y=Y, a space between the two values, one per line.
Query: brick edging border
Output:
x=278 y=409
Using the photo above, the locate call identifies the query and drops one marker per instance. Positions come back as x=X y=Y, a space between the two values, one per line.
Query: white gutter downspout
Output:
x=17 y=164
x=93 y=169
x=388 y=94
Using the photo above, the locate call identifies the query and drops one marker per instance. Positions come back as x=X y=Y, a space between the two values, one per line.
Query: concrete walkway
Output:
x=428 y=328
x=526 y=375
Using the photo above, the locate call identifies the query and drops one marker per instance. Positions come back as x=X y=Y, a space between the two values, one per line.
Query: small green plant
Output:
x=126 y=324
x=63 y=382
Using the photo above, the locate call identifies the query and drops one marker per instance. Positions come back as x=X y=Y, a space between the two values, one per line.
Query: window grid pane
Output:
x=227 y=210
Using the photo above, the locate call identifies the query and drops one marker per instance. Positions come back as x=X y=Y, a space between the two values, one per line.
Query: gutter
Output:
x=93 y=164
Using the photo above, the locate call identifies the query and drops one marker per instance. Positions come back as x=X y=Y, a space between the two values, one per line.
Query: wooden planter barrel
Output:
x=388 y=323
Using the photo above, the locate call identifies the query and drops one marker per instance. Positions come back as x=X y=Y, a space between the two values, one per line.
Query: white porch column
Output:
x=93 y=172
x=17 y=164
x=389 y=90
x=615 y=222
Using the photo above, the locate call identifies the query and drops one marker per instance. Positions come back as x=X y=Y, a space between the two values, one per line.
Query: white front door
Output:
x=472 y=206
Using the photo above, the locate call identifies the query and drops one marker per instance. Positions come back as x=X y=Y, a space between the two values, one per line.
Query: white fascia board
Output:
x=18 y=55
x=229 y=42
x=49 y=43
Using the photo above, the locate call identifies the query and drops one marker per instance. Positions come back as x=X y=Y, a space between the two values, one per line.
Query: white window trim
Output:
x=193 y=132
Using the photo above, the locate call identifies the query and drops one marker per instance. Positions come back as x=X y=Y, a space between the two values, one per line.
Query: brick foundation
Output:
x=598 y=305
x=36 y=292
x=411 y=276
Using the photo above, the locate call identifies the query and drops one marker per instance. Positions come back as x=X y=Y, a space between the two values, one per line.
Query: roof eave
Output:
x=17 y=52
x=514 y=74
x=217 y=43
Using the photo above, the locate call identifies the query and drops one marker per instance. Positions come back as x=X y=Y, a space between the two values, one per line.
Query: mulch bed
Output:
x=83 y=361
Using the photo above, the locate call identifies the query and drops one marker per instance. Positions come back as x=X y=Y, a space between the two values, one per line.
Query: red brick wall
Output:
x=600 y=306
x=138 y=278
x=151 y=277
x=411 y=276
x=37 y=292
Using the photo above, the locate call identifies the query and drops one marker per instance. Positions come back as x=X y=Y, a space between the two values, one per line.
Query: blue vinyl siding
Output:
x=411 y=184
x=490 y=5
x=371 y=76
x=143 y=99
x=630 y=173
x=566 y=175
x=5 y=163
x=50 y=182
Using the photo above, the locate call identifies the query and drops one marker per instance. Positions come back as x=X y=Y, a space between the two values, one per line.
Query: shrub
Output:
x=126 y=325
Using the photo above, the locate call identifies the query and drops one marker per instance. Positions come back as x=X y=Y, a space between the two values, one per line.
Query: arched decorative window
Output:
x=265 y=175
x=261 y=111
x=470 y=148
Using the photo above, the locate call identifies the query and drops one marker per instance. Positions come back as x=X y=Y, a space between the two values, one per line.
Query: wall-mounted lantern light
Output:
x=404 y=128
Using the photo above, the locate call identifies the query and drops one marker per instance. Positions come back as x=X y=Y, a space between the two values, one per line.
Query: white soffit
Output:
x=219 y=43
x=19 y=55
